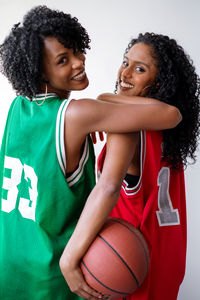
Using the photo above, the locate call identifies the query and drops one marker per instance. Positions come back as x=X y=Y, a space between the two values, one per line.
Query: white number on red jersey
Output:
x=166 y=214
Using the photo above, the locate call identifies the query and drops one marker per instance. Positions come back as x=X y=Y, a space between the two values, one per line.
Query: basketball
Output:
x=117 y=261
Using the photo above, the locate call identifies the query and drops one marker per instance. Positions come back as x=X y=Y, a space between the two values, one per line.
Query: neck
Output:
x=46 y=88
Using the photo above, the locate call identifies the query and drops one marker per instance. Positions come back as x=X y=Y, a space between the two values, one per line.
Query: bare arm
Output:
x=123 y=99
x=92 y=115
x=86 y=116
x=97 y=208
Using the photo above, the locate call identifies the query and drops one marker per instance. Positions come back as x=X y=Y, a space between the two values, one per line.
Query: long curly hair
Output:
x=177 y=84
x=22 y=51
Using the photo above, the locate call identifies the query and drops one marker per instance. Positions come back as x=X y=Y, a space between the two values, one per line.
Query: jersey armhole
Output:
x=130 y=191
x=60 y=147
x=76 y=175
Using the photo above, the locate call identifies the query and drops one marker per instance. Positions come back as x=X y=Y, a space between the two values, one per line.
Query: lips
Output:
x=125 y=85
x=80 y=76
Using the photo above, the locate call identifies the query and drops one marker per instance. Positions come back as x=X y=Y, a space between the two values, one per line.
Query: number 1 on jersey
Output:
x=166 y=215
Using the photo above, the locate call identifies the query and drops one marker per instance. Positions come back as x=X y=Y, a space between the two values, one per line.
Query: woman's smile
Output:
x=80 y=76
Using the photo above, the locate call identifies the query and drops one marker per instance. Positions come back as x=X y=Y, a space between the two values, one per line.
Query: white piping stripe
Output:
x=60 y=149
x=80 y=162
x=61 y=136
x=43 y=96
x=136 y=188
x=78 y=173
x=133 y=193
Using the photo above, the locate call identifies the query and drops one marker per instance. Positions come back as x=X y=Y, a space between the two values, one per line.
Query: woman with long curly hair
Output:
x=152 y=196
x=47 y=159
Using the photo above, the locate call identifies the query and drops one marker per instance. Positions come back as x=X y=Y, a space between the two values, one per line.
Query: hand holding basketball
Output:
x=117 y=261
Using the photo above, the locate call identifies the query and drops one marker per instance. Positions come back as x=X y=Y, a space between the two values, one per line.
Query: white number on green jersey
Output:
x=26 y=206
x=166 y=215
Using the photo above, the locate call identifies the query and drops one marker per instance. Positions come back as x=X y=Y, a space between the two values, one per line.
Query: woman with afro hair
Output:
x=152 y=195
x=48 y=214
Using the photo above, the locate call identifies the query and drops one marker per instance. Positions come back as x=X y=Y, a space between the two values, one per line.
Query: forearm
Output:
x=103 y=197
x=97 y=208
x=122 y=99
x=113 y=118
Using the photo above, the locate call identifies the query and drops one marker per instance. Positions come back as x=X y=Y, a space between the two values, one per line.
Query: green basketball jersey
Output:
x=39 y=207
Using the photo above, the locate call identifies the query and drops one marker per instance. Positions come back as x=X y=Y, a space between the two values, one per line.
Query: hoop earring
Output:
x=44 y=97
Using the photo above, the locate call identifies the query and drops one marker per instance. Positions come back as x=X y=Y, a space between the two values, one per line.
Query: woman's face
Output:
x=63 y=70
x=138 y=71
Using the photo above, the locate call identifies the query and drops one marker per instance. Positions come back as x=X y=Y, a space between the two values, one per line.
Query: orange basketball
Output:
x=117 y=261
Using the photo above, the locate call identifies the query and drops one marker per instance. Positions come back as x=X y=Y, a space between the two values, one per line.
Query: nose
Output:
x=78 y=62
x=126 y=73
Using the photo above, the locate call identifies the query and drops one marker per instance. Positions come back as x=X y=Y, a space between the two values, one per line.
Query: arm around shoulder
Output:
x=88 y=115
x=172 y=113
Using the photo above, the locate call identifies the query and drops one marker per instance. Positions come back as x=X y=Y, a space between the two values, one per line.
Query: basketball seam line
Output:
x=137 y=282
x=115 y=291
x=145 y=252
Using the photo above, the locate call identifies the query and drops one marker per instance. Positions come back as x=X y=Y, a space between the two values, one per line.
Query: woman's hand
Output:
x=75 y=280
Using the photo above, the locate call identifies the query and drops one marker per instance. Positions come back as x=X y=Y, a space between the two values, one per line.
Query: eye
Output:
x=125 y=63
x=62 y=60
x=140 y=69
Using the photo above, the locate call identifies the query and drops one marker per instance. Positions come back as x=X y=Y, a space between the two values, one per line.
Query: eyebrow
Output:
x=139 y=62
x=142 y=63
x=61 y=54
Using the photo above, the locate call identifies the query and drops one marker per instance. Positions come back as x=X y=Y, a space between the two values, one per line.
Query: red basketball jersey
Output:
x=157 y=206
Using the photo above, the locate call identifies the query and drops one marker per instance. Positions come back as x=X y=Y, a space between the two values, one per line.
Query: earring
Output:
x=44 y=97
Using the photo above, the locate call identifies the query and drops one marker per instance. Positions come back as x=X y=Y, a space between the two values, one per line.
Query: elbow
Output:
x=110 y=189
x=175 y=116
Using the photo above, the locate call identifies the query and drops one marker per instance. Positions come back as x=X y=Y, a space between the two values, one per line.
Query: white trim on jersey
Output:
x=79 y=171
x=60 y=147
x=133 y=190
x=40 y=97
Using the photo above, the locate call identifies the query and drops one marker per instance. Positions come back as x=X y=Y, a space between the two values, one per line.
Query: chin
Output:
x=125 y=93
x=84 y=84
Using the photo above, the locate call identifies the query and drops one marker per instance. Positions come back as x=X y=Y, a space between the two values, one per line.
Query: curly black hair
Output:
x=22 y=51
x=177 y=84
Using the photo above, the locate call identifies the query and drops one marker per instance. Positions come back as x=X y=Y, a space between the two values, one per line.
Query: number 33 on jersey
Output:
x=17 y=175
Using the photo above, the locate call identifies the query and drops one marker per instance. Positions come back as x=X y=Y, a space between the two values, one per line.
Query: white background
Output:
x=111 y=24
